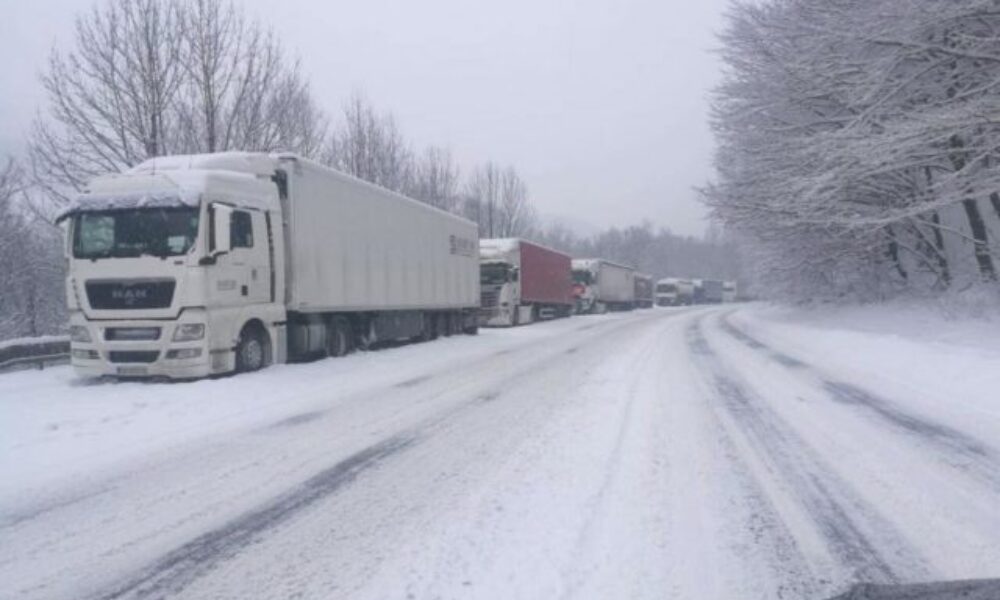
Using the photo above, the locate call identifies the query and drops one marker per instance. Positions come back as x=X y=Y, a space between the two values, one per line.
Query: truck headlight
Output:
x=189 y=332
x=79 y=333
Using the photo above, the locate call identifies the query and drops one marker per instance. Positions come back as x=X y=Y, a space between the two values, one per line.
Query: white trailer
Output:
x=601 y=285
x=672 y=291
x=188 y=266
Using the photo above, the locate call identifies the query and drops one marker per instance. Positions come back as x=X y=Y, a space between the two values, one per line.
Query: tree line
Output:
x=858 y=142
x=147 y=78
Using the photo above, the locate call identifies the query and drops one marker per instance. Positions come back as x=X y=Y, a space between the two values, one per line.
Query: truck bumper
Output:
x=495 y=316
x=130 y=349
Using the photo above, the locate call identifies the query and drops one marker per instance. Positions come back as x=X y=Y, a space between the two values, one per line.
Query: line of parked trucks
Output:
x=190 y=266
x=685 y=292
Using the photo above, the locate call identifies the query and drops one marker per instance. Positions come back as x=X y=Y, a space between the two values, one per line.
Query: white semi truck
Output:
x=674 y=292
x=600 y=285
x=189 y=266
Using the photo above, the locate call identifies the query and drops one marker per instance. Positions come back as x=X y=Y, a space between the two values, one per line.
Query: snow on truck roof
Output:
x=180 y=180
x=589 y=263
x=492 y=247
x=250 y=163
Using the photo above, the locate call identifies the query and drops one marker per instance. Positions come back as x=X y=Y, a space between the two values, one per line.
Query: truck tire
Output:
x=428 y=331
x=443 y=323
x=338 y=338
x=251 y=352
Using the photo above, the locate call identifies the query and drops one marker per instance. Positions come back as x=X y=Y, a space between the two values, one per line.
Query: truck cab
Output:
x=667 y=293
x=585 y=288
x=499 y=281
x=176 y=271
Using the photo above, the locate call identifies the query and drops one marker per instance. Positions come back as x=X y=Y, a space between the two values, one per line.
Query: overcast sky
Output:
x=601 y=105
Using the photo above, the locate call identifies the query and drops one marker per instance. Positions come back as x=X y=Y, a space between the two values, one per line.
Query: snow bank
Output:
x=913 y=351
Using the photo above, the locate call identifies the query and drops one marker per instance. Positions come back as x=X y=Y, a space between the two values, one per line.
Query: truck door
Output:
x=250 y=256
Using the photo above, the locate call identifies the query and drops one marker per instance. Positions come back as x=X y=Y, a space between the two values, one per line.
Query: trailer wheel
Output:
x=456 y=323
x=251 y=350
x=338 y=339
x=428 y=331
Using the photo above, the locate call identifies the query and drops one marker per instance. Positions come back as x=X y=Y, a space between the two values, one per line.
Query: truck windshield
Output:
x=582 y=276
x=666 y=288
x=493 y=273
x=135 y=232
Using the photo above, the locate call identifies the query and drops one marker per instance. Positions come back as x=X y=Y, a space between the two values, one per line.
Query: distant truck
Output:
x=643 y=291
x=188 y=266
x=729 y=293
x=667 y=293
x=600 y=285
x=674 y=292
x=522 y=282
x=711 y=291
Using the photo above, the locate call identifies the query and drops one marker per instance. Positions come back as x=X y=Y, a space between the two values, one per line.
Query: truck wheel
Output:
x=444 y=325
x=338 y=338
x=251 y=354
x=429 y=330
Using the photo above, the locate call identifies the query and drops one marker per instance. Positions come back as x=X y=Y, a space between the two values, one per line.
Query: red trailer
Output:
x=523 y=282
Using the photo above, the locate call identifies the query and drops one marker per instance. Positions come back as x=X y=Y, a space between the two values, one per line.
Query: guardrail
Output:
x=40 y=353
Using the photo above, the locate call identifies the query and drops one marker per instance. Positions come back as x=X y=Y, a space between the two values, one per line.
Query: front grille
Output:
x=149 y=293
x=132 y=334
x=489 y=298
x=133 y=356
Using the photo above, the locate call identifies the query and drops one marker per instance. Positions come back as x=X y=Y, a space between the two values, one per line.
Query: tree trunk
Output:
x=893 y=252
x=974 y=216
x=978 y=227
x=939 y=246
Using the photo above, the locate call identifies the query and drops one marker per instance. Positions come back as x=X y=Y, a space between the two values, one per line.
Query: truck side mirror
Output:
x=515 y=274
x=222 y=218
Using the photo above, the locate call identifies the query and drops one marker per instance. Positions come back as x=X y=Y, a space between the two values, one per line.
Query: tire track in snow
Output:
x=952 y=447
x=174 y=571
x=855 y=534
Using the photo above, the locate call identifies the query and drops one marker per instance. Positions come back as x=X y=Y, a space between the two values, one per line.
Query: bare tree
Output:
x=497 y=199
x=239 y=91
x=435 y=179
x=516 y=215
x=111 y=98
x=31 y=274
x=482 y=203
x=152 y=77
x=369 y=146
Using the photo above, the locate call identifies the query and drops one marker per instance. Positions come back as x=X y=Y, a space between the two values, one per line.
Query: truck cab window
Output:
x=241 y=230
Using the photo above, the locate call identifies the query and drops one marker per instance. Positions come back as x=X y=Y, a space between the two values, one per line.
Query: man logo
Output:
x=130 y=295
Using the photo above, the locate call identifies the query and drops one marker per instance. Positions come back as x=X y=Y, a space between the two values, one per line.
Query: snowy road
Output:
x=688 y=453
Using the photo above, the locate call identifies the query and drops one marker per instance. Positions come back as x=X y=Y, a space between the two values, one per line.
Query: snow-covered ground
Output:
x=722 y=453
